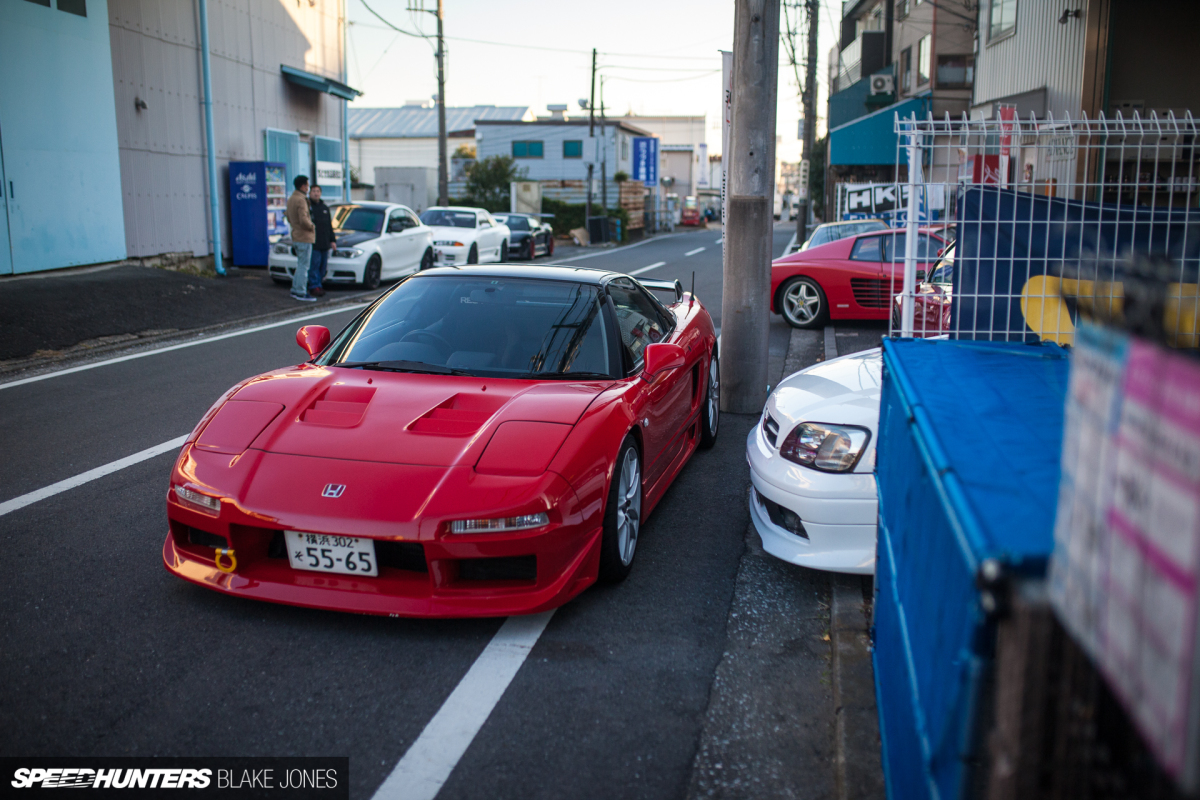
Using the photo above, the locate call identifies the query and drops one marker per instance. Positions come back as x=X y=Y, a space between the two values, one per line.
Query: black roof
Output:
x=551 y=272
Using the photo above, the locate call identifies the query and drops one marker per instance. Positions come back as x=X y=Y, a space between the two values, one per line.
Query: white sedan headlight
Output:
x=347 y=252
x=829 y=448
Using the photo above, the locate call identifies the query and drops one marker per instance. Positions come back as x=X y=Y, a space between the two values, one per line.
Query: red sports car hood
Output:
x=395 y=418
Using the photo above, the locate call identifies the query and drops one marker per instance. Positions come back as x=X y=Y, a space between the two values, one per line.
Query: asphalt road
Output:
x=102 y=652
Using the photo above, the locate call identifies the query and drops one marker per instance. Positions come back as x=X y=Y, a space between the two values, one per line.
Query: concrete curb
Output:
x=858 y=772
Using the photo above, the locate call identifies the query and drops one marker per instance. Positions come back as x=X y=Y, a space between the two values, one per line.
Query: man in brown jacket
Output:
x=304 y=233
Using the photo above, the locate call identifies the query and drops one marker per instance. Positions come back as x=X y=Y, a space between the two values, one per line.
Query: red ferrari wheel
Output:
x=622 y=516
x=710 y=414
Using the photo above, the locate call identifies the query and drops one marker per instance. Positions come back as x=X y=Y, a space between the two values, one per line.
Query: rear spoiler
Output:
x=664 y=286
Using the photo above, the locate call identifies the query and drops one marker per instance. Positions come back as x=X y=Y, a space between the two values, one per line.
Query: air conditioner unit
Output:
x=882 y=84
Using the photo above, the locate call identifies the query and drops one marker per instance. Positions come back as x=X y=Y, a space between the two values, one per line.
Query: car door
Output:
x=392 y=244
x=666 y=400
x=419 y=239
x=865 y=272
x=486 y=238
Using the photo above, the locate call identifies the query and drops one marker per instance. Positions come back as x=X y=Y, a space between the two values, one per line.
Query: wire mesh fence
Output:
x=1012 y=228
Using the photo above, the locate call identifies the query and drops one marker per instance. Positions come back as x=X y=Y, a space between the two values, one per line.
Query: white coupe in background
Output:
x=812 y=464
x=375 y=241
x=463 y=235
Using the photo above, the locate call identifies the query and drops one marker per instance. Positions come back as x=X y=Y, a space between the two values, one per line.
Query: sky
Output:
x=655 y=57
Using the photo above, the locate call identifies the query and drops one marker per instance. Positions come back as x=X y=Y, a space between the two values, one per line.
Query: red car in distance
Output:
x=691 y=213
x=852 y=278
x=480 y=441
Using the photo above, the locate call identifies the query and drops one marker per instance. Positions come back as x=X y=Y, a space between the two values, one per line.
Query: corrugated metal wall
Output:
x=1042 y=53
x=156 y=58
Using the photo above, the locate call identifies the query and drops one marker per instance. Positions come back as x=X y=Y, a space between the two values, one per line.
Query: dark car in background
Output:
x=530 y=236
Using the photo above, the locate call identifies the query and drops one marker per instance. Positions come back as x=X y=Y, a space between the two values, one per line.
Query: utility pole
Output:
x=443 y=162
x=809 y=98
x=587 y=210
x=745 y=306
x=604 y=157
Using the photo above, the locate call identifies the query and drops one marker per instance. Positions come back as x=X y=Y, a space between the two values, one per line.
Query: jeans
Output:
x=316 y=270
x=303 y=258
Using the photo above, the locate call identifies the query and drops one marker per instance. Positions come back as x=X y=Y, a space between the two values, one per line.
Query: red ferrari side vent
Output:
x=339 y=406
x=461 y=414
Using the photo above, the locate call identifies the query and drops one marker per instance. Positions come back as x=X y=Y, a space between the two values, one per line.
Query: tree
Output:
x=816 y=169
x=488 y=181
x=464 y=151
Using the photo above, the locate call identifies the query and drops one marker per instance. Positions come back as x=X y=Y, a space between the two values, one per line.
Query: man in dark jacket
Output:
x=325 y=241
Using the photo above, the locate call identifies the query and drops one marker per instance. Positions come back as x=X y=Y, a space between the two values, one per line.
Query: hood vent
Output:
x=339 y=406
x=459 y=415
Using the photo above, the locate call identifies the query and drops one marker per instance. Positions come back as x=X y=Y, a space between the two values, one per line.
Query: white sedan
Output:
x=375 y=241
x=812 y=461
x=463 y=235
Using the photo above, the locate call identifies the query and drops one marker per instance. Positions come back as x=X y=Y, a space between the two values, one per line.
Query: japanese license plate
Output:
x=323 y=552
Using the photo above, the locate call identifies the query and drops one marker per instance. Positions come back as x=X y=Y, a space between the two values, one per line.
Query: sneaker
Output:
x=304 y=298
x=317 y=291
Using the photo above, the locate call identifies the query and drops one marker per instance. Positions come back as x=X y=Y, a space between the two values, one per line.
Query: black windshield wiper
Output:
x=561 y=376
x=402 y=366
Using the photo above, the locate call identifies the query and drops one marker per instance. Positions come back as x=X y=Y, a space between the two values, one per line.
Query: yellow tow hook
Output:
x=221 y=551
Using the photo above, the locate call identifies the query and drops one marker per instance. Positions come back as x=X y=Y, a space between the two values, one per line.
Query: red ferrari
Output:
x=480 y=441
x=852 y=278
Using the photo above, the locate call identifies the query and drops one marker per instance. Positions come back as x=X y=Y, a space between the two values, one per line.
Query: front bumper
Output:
x=443 y=254
x=838 y=511
x=340 y=270
x=424 y=571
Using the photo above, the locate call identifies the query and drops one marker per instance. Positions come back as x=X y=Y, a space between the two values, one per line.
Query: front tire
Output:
x=532 y=253
x=372 y=273
x=426 y=260
x=803 y=303
x=622 y=515
x=504 y=252
x=710 y=413
x=473 y=255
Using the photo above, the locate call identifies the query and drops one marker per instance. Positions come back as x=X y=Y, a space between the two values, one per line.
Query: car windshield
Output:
x=357 y=218
x=689 y=202
x=449 y=219
x=944 y=271
x=479 y=325
x=515 y=223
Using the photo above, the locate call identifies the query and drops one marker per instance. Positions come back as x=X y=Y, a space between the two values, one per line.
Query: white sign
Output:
x=702 y=173
x=329 y=173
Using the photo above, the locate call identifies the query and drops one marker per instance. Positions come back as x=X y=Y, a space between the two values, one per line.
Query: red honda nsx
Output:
x=480 y=441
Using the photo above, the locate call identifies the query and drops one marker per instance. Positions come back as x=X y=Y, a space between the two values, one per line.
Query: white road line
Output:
x=9 y=506
x=647 y=269
x=787 y=248
x=420 y=774
x=205 y=340
x=693 y=252
x=718 y=241
x=615 y=250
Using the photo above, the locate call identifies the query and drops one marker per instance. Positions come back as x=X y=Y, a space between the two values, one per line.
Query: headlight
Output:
x=349 y=252
x=282 y=249
x=521 y=523
x=201 y=502
x=830 y=448
x=449 y=243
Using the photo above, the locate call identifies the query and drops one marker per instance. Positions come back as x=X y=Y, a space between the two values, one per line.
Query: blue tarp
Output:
x=970 y=437
x=872 y=139
x=1006 y=237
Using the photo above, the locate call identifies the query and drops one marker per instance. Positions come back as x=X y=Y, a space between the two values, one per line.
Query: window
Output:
x=624 y=148
x=73 y=7
x=901 y=9
x=573 y=148
x=923 y=54
x=1002 y=18
x=639 y=319
x=869 y=248
x=955 y=72
x=527 y=149
x=895 y=244
x=906 y=69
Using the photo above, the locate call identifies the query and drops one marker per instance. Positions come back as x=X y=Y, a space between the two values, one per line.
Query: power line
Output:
x=664 y=80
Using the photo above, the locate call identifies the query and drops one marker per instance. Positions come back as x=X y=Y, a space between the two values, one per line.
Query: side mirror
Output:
x=661 y=357
x=313 y=338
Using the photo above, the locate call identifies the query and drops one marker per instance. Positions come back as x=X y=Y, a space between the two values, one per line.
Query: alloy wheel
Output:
x=714 y=395
x=802 y=302
x=629 y=506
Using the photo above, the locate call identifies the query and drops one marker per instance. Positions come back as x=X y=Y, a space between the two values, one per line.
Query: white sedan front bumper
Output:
x=837 y=511
x=282 y=266
x=444 y=254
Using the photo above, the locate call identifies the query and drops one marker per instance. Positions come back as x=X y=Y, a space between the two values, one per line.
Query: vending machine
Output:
x=258 y=194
